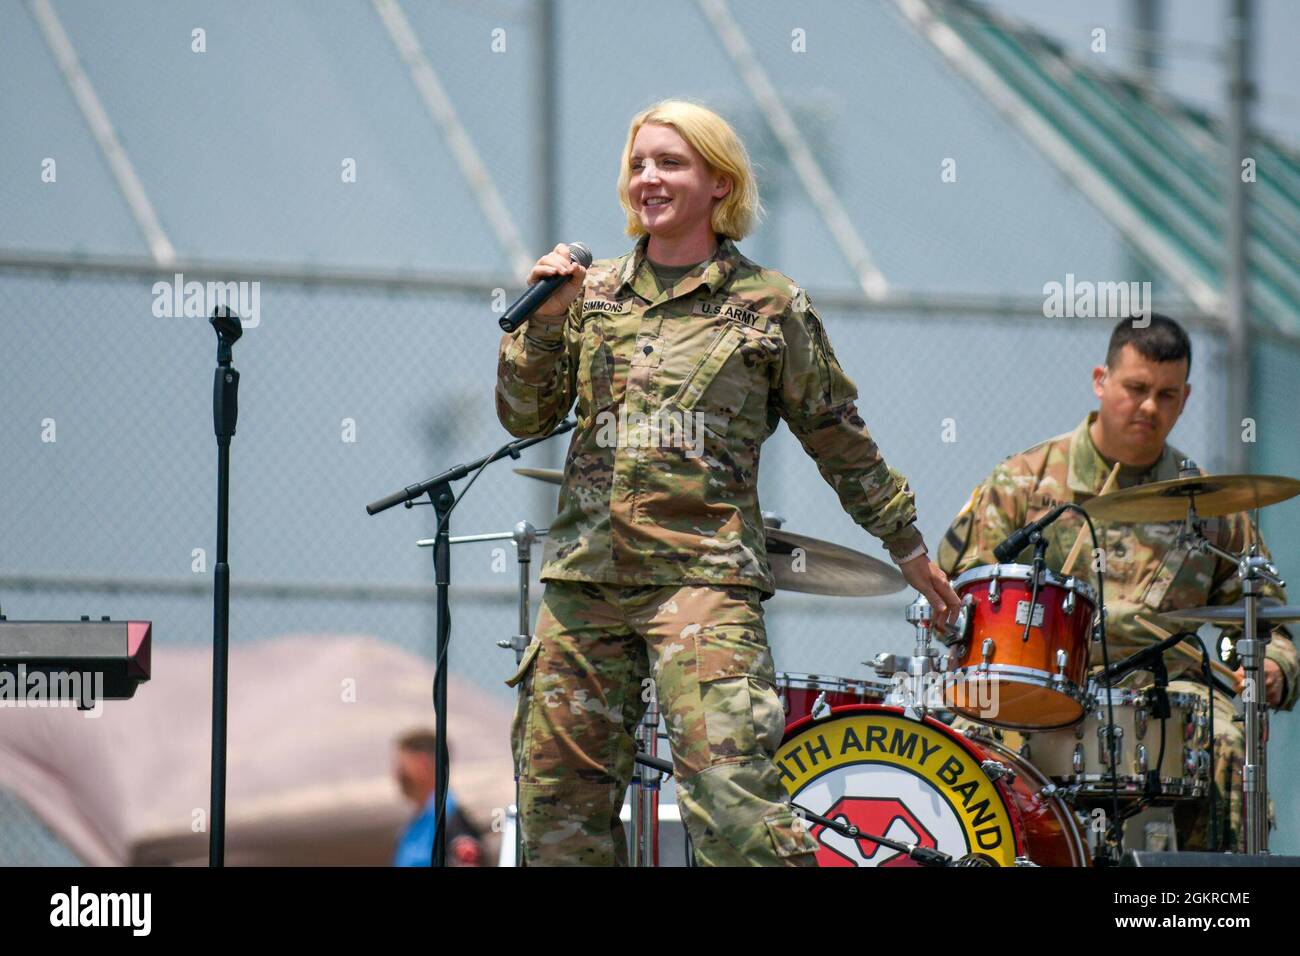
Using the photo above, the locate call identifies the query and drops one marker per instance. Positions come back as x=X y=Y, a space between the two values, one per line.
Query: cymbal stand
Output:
x=645 y=788
x=524 y=536
x=1253 y=570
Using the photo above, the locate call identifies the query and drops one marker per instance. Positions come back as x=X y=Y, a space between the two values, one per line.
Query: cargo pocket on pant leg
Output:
x=742 y=714
x=729 y=718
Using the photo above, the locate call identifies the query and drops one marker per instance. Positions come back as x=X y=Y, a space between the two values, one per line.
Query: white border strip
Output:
x=440 y=108
x=870 y=278
x=92 y=110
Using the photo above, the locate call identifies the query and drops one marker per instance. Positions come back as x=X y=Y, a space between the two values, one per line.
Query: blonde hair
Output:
x=736 y=214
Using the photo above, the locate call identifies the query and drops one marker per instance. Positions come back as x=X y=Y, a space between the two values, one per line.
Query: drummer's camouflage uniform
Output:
x=656 y=562
x=1146 y=575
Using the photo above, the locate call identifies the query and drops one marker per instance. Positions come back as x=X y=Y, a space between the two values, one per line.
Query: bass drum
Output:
x=920 y=782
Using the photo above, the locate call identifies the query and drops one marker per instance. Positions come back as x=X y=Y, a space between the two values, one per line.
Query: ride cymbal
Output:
x=1235 y=614
x=825 y=568
x=1213 y=495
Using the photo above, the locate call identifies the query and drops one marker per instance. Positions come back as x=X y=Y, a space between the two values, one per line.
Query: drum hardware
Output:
x=1032 y=684
x=1235 y=614
x=645 y=788
x=1168 y=769
x=911 y=675
x=1189 y=499
x=820 y=708
x=815 y=695
x=997 y=770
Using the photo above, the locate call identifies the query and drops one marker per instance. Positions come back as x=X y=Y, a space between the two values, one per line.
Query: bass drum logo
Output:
x=906 y=780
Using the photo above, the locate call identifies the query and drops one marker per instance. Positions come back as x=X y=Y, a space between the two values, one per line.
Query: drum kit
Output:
x=990 y=744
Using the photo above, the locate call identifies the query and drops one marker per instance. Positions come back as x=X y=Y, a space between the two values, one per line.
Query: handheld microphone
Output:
x=1017 y=541
x=540 y=291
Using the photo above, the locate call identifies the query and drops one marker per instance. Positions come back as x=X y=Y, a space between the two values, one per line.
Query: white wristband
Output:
x=916 y=552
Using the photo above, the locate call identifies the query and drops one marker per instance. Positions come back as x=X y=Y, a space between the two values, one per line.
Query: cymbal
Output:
x=822 y=567
x=552 y=476
x=1213 y=495
x=1235 y=614
x=827 y=568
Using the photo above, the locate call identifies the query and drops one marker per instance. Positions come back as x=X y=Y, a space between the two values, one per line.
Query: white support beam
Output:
x=438 y=103
x=96 y=117
x=870 y=278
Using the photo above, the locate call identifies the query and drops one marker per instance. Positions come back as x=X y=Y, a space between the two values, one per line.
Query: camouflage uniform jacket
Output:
x=676 y=390
x=1146 y=573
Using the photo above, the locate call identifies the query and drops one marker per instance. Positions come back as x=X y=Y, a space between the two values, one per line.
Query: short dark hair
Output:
x=420 y=741
x=1160 y=340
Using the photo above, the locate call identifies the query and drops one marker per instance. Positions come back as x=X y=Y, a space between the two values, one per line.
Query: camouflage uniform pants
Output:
x=583 y=690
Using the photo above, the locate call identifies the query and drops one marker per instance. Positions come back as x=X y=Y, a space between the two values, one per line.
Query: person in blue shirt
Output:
x=414 y=768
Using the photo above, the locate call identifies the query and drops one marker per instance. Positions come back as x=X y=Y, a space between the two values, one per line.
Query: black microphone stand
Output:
x=1039 y=566
x=225 y=412
x=438 y=488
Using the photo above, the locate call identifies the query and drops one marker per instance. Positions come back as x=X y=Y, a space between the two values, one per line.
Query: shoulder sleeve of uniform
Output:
x=816 y=399
x=994 y=510
x=812 y=380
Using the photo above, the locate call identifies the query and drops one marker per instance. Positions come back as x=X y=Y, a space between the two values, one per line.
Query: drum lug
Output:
x=986 y=651
x=1062 y=659
x=1076 y=760
x=1140 y=758
x=995 y=590
x=1067 y=605
x=887 y=665
x=1103 y=748
x=1198 y=730
x=820 y=708
x=996 y=770
x=1140 y=720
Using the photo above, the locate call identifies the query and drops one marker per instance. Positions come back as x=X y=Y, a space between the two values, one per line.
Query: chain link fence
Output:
x=350 y=391
x=354 y=385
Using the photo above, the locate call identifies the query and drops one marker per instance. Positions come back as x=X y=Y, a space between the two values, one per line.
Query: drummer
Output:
x=1142 y=389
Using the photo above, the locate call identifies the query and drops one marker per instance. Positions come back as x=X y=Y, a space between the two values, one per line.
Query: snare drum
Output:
x=1078 y=757
x=920 y=782
x=804 y=695
x=1001 y=677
